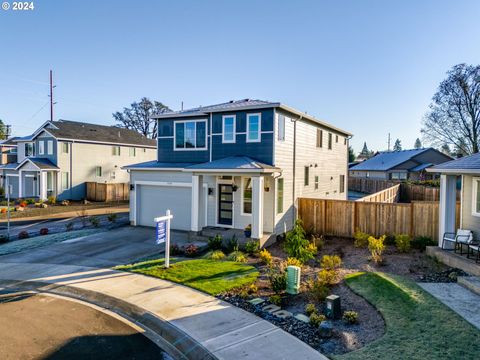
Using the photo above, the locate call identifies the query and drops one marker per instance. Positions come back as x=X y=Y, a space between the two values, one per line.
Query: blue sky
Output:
x=370 y=67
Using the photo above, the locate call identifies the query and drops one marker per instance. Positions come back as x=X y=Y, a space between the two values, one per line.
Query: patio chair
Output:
x=461 y=238
x=471 y=249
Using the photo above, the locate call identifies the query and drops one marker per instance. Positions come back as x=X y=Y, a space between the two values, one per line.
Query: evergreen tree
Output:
x=418 y=144
x=351 y=154
x=446 y=150
x=398 y=145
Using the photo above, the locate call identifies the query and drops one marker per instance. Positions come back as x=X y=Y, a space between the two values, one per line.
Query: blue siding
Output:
x=262 y=151
x=53 y=157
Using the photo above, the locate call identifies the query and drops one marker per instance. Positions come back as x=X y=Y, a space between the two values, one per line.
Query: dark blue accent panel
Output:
x=52 y=157
x=261 y=151
x=241 y=123
x=167 y=154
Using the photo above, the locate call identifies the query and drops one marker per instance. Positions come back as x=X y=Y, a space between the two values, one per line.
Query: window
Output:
x=49 y=181
x=254 y=125
x=98 y=171
x=228 y=128
x=116 y=150
x=336 y=138
x=50 y=147
x=65 y=148
x=398 y=176
x=342 y=184
x=144 y=150
x=319 y=138
x=13 y=150
x=190 y=135
x=316 y=182
x=306 y=176
x=41 y=148
x=279 y=195
x=281 y=128
x=247 y=196
x=132 y=151
x=65 y=181
x=29 y=149
x=344 y=141
x=329 y=141
x=476 y=197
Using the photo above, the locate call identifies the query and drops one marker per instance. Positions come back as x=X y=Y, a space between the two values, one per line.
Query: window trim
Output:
x=341 y=189
x=195 y=148
x=49 y=147
x=316 y=182
x=130 y=151
x=319 y=139
x=279 y=211
x=281 y=127
x=248 y=139
x=114 y=153
x=244 y=178
x=234 y=129
x=475 y=189
x=41 y=147
x=65 y=147
x=67 y=187
x=330 y=141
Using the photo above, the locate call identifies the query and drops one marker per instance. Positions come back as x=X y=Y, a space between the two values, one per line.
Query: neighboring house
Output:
x=400 y=165
x=61 y=156
x=8 y=151
x=468 y=169
x=238 y=163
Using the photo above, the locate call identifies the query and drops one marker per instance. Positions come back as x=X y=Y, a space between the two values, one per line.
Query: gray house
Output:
x=61 y=156
x=400 y=165
x=236 y=164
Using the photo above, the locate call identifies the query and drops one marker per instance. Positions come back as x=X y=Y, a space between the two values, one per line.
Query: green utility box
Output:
x=334 y=308
x=293 y=279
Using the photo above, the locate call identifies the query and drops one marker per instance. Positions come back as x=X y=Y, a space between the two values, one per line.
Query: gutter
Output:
x=295 y=165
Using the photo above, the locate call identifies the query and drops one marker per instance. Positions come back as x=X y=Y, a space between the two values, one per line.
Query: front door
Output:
x=225 y=204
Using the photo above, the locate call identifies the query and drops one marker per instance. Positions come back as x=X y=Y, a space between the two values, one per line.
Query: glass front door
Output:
x=225 y=204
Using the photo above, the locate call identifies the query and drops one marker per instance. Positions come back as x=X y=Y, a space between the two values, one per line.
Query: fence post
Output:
x=412 y=219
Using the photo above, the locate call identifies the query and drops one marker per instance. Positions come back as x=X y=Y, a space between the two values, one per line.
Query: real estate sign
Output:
x=163 y=234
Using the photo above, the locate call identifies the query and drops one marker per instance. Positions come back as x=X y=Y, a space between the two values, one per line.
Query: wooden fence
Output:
x=389 y=195
x=107 y=192
x=343 y=217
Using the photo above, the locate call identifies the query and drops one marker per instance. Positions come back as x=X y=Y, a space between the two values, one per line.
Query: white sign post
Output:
x=163 y=234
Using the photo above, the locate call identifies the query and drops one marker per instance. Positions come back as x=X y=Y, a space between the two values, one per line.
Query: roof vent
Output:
x=119 y=135
x=247 y=99
x=231 y=101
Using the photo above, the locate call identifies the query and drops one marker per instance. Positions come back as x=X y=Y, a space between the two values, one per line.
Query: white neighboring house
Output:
x=238 y=163
x=61 y=156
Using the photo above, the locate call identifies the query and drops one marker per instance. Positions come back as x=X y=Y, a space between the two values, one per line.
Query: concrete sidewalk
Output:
x=195 y=324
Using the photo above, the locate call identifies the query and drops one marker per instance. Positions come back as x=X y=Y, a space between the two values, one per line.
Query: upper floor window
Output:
x=306 y=176
x=29 y=149
x=190 y=135
x=228 y=125
x=329 y=141
x=116 y=150
x=345 y=141
x=319 y=138
x=336 y=138
x=281 y=128
x=50 y=147
x=41 y=148
x=254 y=125
x=132 y=151
x=65 y=148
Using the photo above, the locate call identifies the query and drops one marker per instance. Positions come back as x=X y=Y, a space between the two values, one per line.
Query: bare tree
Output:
x=454 y=115
x=138 y=116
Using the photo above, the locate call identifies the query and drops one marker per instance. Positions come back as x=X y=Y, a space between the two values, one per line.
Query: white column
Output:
x=42 y=183
x=257 y=207
x=197 y=189
x=448 y=200
x=20 y=184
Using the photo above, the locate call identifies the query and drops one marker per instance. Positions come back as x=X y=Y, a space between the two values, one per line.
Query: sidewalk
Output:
x=196 y=324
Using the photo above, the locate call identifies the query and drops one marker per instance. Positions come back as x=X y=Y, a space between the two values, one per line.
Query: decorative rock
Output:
x=271 y=308
x=20 y=208
x=325 y=329
x=283 y=314
x=256 y=301
x=44 y=206
x=86 y=202
x=303 y=318
x=65 y=203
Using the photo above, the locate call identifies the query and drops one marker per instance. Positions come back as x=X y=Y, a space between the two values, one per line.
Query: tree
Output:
x=351 y=154
x=418 y=144
x=138 y=116
x=3 y=130
x=398 y=145
x=365 y=153
x=446 y=149
x=455 y=110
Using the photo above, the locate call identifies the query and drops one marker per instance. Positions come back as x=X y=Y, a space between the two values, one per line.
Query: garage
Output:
x=153 y=200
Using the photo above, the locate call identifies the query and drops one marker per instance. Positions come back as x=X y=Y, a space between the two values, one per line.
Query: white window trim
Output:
x=68 y=180
x=41 y=147
x=234 y=129
x=49 y=147
x=114 y=152
x=96 y=171
x=259 y=127
x=132 y=152
x=190 y=149
x=474 y=196
x=65 y=146
x=244 y=178
x=283 y=127
x=49 y=173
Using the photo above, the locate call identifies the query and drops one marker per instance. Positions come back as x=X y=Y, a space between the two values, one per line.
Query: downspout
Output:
x=210 y=137
x=71 y=169
x=295 y=165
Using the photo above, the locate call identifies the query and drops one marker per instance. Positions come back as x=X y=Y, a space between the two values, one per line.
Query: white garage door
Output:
x=153 y=201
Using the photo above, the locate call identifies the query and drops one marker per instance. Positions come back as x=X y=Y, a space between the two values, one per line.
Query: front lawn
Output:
x=418 y=325
x=210 y=276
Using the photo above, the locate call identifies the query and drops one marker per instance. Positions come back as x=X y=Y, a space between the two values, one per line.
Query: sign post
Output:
x=163 y=234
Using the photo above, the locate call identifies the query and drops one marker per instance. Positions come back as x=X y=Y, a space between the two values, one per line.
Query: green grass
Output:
x=417 y=325
x=212 y=277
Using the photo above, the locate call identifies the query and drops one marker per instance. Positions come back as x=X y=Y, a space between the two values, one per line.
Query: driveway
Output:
x=105 y=249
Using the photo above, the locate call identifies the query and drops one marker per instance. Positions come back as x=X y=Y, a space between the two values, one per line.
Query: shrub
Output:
x=243 y=294
x=296 y=244
x=3 y=210
x=112 y=217
x=252 y=289
x=331 y=262
x=43 y=231
x=191 y=250
x=265 y=257
x=30 y=201
x=94 y=221
x=376 y=247
x=217 y=255
x=402 y=242
x=3 y=239
x=389 y=240
x=350 y=317
x=318 y=291
x=215 y=243
x=291 y=261
x=23 y=234
x=175 y=250
x=310 y=309
x=361 y=239
x=52 y=200
x=23 y=204
x=278 y=280
x=275 y=299
x=69 y=226
x=232 y=244
x=316 y=319
x=252 y=247
x=312 y=249
x=318 y=241
x=421 y=242
x=2 y=191
x=326 y=277
x=237 y=256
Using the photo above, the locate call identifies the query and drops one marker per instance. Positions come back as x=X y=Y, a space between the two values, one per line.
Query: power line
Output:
x=36 y=113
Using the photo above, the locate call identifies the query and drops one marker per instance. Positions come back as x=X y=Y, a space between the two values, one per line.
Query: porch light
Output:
x=132 y=187
x=234 y=188
x=210 y=191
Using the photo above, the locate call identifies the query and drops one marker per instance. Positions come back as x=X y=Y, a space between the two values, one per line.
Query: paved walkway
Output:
x=464 y=302
x=198 y=325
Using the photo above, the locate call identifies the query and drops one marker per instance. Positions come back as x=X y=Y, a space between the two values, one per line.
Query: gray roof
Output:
x=157 y=165
x=10 y=142
x=74 y=130
x=463 y=165
x=8 y=166
x=387 y=160
x=233 y=163
x=41 y=163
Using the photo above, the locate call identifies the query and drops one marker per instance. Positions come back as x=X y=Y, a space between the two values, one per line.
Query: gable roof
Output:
x=40 y=163
x=466 y=164
x=244 y=104
x=387 y=160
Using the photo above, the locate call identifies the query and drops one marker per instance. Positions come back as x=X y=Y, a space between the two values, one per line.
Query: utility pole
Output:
x=51 y=95
x=388 y=141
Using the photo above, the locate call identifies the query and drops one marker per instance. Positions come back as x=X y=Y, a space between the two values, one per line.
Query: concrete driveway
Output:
x=105 y=249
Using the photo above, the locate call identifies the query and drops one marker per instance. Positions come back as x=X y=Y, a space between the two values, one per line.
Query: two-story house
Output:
x=61 y=156
x=238 y=163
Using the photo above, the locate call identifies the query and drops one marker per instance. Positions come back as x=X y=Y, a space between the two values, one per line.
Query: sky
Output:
x=369 y=67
